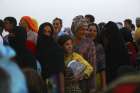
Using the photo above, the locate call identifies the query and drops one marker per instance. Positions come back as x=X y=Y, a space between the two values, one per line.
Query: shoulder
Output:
x=31 y=33
x=19 y=28
x=88 y=42
x=76 y=55
x=100 y=46
x=20 y=31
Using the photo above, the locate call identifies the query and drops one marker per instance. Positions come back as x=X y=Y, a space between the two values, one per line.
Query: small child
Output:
x=74 y=62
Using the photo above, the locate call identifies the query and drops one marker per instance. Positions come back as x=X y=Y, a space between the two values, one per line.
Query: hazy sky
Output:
x=47 y=10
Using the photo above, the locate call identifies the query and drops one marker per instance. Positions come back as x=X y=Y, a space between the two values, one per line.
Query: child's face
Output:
x=68 y=46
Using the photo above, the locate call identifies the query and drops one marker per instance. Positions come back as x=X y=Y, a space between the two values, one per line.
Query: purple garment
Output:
x=87 y=49
x=100 y=57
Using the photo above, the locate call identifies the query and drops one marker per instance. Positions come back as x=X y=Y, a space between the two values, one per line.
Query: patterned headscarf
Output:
x=32 y=23
x=78 y=22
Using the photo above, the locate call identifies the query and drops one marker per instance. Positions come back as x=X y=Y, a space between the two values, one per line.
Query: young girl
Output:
x=72 y=81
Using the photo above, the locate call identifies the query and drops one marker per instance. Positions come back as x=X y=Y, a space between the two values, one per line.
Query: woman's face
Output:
x=47 y=30
x=68 y=46
x=92 y=32
x=57 y=26
x=81 y=32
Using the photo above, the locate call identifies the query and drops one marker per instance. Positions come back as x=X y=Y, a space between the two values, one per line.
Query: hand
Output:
x=78 y=77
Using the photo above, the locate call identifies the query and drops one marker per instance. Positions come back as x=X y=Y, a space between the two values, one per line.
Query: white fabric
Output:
x=1 y=40
x=4 y=33
x=32 y=36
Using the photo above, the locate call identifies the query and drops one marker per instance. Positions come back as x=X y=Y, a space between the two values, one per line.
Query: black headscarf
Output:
x=126 y=35
x=115 y=50
x=49 y=53
x=1 y=26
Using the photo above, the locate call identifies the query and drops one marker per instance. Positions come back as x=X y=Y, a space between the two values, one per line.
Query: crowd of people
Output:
x=83 y=58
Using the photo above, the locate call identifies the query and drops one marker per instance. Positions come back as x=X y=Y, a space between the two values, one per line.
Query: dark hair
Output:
x=133 y=27
x=109 y=31
x=111 y=36
x=129 y=21
x=97 y=40
x=1 y=23
x=126 y=35
x=12 y=20
x=20 y=37
x=94 y=24
x=91 y=17
x=35 y=82
x=1 y=26
x=115 y=49
x=42 y=26
x=58 y=19
x=4 y=81
x=101 y=25
x=62 y=39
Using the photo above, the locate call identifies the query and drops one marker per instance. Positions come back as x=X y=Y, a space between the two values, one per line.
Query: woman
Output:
x=31 y=28
x=86 y=48
x=115 y=50
x=93 y=33
x=50 y=56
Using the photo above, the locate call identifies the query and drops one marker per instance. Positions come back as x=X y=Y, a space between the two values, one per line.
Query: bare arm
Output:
x=61 y=79
x=103 y=79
